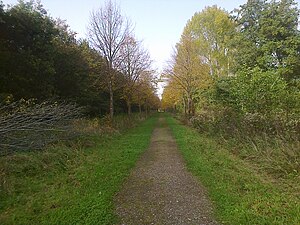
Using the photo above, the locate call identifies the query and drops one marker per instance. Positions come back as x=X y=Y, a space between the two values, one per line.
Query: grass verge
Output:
x=70 y=184
x=241 y=195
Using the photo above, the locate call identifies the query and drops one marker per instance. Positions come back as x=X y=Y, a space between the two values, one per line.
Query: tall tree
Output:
x=26 y=38
x=211 y=30
x=268 y=36
x=108 y=30
x=188 y=70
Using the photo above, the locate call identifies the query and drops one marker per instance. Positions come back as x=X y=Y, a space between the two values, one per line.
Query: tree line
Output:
x=41 y=58
x=241 y=67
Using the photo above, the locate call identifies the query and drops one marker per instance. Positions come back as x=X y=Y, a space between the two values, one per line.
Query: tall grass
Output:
x=270 y=144
x=102 y=126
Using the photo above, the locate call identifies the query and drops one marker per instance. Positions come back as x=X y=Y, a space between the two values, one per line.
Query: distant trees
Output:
x=135 y=63
x=172 y=96
x=145 y=89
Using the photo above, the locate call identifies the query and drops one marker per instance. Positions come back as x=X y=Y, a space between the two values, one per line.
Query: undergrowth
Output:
x=272 y=151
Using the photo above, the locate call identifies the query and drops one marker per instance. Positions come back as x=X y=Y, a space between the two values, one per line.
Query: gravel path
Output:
x=160 y=190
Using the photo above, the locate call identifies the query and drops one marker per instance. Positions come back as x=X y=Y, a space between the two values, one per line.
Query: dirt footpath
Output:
x=160 y=190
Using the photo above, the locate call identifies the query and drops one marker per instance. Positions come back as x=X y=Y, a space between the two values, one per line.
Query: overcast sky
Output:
x=159 y=23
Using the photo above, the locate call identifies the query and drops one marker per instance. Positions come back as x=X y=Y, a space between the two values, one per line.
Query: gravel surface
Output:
x=160 y=190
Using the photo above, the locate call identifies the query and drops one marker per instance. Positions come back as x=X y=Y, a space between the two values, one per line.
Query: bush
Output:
x=254 y=102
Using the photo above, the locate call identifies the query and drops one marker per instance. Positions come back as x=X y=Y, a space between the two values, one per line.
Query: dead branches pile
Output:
x=26 y=125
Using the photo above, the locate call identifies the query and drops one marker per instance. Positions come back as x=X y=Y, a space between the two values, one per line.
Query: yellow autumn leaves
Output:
x=201 y=55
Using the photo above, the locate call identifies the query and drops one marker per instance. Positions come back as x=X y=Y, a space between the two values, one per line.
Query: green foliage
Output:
x=212 y=29
x=254 y=91
x=26 y=46
x=242 y=193
x=268 y=37
x=201 y=55
x=253 y=102
x=70 y=184
x=49 y=62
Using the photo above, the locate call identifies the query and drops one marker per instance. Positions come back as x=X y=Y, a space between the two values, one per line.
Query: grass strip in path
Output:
x=69 y=186
x=240 y=194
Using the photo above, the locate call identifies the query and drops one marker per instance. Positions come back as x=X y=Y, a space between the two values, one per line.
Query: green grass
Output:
x=70 y=184
x=240 y=194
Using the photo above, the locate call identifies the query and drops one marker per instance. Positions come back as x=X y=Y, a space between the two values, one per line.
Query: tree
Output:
x=134 y=64
x=94 y=96
x=42 y=59
x=108 y=30
x=172 y=96
x=70 y=64
x=211 y=30
x=202 y=55
x=145 y=94
x=268 y=37
x=26 y=38
x=188 y=70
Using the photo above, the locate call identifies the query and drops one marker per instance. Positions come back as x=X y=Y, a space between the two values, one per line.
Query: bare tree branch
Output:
x=107 y=31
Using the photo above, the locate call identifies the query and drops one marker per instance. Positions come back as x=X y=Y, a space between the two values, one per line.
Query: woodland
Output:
x=77 y=114
x=49 y=78
x=42 y=59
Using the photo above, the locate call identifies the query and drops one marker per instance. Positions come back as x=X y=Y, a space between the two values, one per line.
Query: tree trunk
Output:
x=128 y=107
x=193 y=107
x=140 y=108
x=184 y=106
x=146 y=107
x=190 y=106
x=111 y=100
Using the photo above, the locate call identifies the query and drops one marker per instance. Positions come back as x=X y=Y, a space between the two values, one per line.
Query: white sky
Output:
x=159 y=23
